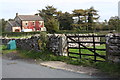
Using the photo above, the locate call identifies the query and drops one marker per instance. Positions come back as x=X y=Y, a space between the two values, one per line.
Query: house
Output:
x=25 y=23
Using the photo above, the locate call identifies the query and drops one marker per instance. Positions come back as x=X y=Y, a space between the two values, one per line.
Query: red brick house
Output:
x=25 y=23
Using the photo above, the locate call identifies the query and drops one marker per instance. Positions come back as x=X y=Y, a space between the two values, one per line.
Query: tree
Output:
x=2 y=25
x=114 y=24
x=48 y=15
x=65 y=21
x=52 y=25
x=92 y=15
x=78 y=13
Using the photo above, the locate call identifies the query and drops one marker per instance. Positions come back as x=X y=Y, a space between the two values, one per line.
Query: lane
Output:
x=20 y=69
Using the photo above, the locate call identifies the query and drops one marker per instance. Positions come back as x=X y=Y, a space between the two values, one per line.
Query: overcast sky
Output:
x=9 y=8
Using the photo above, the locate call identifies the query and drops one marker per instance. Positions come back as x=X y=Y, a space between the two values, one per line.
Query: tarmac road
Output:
x=21 y=69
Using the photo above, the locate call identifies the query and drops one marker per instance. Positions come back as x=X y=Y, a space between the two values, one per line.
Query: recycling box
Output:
x=11 y=45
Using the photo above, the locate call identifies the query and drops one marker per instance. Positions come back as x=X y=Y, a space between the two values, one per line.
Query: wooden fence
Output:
x=92 y=52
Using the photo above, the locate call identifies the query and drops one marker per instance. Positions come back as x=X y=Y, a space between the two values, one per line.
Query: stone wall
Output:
x=24 y=43
x=113 y=47
x=83 y=39
x=57 y=43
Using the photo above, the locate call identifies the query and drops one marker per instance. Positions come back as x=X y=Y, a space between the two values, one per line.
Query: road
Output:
x=21 y=69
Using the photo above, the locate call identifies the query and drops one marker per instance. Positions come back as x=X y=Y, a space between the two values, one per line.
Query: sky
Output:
x=9 y=8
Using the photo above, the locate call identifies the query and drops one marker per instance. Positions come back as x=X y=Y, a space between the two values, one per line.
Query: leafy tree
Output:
x=92 y=15
x=52 y=25
x=78 y=13
x=114 y=24
x=2 y=25
x=65 y=20
x=48 y=15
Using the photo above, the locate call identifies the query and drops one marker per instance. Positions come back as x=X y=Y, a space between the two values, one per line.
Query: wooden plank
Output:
x=71 y=36
x=94 y=48
x=86 y=48
x=79 y=48
x=81 y=54
x=74 y=57
x=86 y=42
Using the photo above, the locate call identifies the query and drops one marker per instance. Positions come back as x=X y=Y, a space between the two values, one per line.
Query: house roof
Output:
x=13 y=23
x=30 y=17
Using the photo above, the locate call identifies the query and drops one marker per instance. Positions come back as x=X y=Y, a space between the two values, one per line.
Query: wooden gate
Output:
x=91 y=47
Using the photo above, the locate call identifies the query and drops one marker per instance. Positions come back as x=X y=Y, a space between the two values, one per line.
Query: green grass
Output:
x=85 y=51
x=4 y=49
x=112 y=68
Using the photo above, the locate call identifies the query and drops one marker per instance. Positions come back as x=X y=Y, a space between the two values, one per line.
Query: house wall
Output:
x=34 y=25
x=16 y=29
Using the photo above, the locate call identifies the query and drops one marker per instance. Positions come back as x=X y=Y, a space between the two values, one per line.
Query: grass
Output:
x=85 y=51
x=111 y=68
x=4 y=49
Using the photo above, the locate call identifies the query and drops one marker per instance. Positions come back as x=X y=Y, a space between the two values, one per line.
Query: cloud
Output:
x=106 y=8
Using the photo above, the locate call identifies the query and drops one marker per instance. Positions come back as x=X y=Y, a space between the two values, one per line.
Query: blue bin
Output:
x=11 y=45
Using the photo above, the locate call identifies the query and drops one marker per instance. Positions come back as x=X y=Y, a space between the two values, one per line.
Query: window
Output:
x=39 y=23
x=33 y=23
x=26 y=24
x=17 y=30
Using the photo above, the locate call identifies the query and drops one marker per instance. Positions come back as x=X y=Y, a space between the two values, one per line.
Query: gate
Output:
x=89 y=47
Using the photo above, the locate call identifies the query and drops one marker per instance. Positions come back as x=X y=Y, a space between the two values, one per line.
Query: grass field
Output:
x=85 y=51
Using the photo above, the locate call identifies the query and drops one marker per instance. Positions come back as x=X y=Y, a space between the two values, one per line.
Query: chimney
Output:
x=36 y=14
x=16 y=14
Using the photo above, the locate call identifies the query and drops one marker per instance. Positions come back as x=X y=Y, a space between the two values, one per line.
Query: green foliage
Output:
x=48 y=14
x=86 y=19
x=112 y=68
x=114 y=24
x=43 y=41
x=65 y=20
x=2 y=25
x=52 y=25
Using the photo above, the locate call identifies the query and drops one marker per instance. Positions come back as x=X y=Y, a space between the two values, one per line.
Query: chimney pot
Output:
x=16 y=14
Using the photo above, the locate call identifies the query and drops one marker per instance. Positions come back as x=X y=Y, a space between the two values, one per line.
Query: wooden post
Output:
x=67 y=45
x=79 y=46
x=94 y=48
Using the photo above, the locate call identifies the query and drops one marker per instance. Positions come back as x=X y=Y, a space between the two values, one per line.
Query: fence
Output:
x=79 y=44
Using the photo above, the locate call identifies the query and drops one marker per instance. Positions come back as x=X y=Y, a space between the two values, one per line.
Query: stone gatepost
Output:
x=113 y=47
